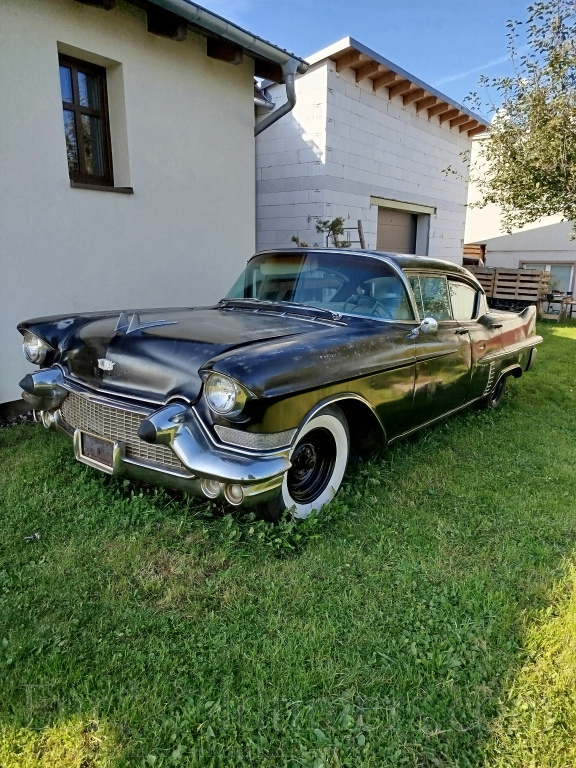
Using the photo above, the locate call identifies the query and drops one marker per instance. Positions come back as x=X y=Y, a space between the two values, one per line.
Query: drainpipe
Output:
x=289 y=71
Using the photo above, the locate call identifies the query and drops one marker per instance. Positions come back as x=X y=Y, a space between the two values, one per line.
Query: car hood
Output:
x=156 y=355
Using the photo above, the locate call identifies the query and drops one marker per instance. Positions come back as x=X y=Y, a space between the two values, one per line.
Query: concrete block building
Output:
x=366 y=141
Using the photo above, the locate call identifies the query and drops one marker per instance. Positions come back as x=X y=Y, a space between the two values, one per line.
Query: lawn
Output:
x=428 y=618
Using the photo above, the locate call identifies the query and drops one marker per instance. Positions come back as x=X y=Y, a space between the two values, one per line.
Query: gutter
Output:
x=195 y=14
x=288 y=70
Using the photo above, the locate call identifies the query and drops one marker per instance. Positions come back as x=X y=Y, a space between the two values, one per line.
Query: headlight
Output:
x=35 y=349
x=224 y=395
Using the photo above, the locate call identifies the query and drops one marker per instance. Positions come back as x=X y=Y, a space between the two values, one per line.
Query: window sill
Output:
x=102 y=188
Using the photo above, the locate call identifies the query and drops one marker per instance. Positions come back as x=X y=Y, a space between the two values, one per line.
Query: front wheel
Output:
x=319 y=461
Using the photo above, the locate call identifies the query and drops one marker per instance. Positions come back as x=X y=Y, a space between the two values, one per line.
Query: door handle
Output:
x=496 y=325
x=460 y=331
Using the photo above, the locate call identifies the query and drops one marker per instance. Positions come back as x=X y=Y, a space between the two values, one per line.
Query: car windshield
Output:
x=343 y=283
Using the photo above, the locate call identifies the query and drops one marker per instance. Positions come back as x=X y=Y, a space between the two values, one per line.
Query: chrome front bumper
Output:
x=183 y=455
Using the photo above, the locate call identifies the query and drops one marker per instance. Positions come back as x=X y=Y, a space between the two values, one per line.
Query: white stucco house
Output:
x=126 y=157
x=545 y=244
x=366 y=141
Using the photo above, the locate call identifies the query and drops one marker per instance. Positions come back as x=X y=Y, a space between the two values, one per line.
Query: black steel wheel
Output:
x=493 y=400
x=319 y=460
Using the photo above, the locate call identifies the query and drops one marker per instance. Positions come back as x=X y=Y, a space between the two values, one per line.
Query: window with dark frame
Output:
x=86 y=125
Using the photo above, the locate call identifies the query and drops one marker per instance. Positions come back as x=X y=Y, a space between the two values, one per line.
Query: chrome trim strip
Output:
x=334 y=400
x=433 y=421
x=529 y=343
x=95 y=397
x=74 y=381
x=154 y=466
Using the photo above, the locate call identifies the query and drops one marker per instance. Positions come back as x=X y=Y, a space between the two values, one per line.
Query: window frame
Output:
x=82 y=176
x=477 y=293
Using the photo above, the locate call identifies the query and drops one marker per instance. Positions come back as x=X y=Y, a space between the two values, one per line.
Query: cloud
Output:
x=481 y=68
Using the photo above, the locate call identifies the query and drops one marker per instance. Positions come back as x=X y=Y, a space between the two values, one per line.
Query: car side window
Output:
x=463 y=299
x=431 y=295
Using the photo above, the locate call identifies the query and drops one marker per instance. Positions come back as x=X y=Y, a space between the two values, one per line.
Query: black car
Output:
x=260 y=398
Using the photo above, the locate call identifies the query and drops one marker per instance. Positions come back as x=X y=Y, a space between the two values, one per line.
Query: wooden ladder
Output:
x=359 y=228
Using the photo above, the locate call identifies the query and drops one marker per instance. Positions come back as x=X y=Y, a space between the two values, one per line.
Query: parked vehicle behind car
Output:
x=260 y=399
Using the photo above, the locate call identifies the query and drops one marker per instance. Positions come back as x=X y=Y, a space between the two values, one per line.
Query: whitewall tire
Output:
x=319 y=459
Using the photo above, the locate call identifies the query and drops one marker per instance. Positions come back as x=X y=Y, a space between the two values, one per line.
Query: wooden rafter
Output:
x=166 y=24
x=367 y=70
x=459 y=120
x=449 y=115
x=412 y=92
x=468 y=125
x=411 y=96
x=223 y=50
x=386 y=80
x=427 y=101
x=351 y=59
x=438 y=109
x=397 y=90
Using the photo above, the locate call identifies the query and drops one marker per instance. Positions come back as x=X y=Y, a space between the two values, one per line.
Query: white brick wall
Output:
x=343 y=143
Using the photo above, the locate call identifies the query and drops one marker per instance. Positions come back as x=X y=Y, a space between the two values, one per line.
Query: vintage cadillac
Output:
x=260 y=399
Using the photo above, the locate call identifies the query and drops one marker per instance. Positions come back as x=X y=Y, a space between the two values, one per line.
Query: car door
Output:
x=469 y=309
x=444 y=358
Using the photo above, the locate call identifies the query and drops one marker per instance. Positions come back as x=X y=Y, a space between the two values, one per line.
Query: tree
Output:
x=528 y=164
x=334 y=229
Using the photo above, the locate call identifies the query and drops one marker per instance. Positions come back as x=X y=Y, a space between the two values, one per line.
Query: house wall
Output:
x=182 y=136
x=343 y=144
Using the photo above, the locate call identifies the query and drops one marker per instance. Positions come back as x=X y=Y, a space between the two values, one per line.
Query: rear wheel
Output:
x=493 y=400
x=319 y=461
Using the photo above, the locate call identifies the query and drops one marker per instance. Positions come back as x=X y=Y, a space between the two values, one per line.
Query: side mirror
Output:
x=429 y=326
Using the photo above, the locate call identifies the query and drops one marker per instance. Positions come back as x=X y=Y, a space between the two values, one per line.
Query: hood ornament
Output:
x=133 y=324
x=105 y=365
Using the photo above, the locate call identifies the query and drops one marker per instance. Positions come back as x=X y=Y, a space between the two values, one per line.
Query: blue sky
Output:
x=446 y=43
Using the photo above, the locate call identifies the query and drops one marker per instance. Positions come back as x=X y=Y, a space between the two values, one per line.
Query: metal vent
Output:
x=491 y=376
x=115 y=424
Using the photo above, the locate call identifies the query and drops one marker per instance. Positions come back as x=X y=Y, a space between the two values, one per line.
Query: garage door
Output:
x=396 y=231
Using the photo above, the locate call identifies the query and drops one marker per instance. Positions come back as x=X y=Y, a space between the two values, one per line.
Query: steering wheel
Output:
x=377 y=309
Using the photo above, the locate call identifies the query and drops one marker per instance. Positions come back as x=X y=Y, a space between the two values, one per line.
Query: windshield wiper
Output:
x=283 y=307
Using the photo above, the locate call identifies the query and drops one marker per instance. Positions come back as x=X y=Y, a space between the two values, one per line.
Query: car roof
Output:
x=405 y=261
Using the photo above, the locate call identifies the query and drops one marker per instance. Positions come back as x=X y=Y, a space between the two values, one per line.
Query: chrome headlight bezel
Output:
x=35 y=349
x=224 y=395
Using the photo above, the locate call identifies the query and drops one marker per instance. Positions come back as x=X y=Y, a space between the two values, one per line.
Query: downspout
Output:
x=289 y=71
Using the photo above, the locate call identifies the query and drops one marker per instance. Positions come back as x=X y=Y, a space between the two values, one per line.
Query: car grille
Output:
x=115 y=424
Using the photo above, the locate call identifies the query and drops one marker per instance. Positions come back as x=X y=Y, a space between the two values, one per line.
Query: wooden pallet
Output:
x=485 y=277
x=514 y=284
x=521 y=284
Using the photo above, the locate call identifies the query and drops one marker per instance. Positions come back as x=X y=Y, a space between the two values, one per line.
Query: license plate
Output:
x=97 y=449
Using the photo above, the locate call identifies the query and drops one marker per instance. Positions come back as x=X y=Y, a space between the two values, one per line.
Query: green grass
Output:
x=427 y=619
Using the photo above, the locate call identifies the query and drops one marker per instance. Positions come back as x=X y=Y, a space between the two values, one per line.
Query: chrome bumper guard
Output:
x=208 y=471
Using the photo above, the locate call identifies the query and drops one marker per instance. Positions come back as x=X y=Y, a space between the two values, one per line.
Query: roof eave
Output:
x=210 y=22
x=381 y=66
